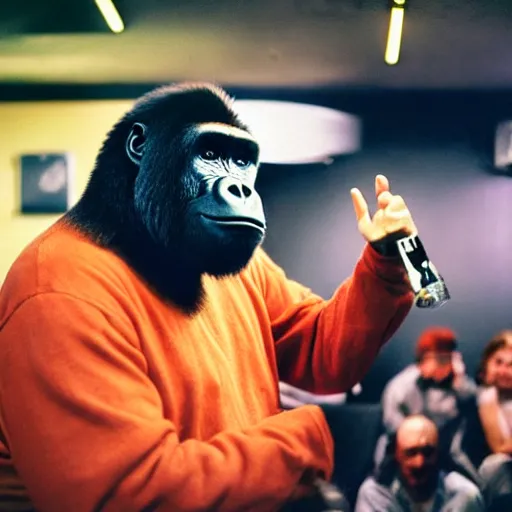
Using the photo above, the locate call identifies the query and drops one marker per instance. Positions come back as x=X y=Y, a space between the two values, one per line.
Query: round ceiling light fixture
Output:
x=297 y=133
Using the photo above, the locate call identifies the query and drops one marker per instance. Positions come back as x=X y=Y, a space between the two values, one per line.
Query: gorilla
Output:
x=144 y=334
x=183 y=202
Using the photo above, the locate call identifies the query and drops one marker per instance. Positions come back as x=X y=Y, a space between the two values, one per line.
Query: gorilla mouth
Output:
x=236 y=221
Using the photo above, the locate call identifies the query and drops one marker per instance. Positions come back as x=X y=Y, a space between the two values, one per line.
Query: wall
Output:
x=435 y=151
x=77 y=127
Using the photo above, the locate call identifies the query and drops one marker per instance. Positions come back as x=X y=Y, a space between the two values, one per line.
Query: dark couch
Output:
x=356 y=429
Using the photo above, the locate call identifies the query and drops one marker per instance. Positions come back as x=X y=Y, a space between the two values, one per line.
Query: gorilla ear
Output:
x=135 y=142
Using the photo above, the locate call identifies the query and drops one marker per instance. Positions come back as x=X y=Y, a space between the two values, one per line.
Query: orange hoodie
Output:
x=112 y=400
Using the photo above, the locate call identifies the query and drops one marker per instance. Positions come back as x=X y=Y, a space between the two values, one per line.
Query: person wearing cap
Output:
x=437 y=386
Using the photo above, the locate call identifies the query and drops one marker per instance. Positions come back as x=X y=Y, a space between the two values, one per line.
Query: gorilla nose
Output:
x=239 y=190
x=229 y=189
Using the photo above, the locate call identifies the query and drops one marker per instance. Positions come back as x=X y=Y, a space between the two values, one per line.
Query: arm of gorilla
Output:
x=328 y=346
x=84 y=425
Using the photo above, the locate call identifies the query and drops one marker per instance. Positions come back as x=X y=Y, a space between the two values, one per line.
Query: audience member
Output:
x=410 y=480
x=495 y=410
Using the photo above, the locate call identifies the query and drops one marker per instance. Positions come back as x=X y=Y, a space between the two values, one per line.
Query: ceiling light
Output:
x=112 y=17
x=298 y=133
x=396 y=23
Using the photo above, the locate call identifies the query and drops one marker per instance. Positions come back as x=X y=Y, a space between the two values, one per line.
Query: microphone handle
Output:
x=427 y=284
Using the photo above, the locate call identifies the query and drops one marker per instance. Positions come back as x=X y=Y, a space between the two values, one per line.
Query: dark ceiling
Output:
x=263 y=43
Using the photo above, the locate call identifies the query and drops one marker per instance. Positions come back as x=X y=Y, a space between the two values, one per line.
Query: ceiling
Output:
x=266 y=43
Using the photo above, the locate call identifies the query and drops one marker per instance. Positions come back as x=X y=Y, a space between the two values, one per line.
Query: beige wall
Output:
x=44 y=127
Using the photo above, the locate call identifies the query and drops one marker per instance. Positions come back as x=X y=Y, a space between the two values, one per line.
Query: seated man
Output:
x=411 y=480
x=438 y=387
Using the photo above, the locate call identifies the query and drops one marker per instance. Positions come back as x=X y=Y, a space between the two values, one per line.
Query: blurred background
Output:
x=428 y=120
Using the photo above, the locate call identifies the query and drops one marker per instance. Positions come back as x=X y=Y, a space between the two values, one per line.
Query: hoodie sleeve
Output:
x=328 y=346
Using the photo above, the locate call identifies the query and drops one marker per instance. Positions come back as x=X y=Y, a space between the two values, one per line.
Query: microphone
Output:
x=427 y=284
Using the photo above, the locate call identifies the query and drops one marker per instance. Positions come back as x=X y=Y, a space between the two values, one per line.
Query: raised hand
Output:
x=392 y=218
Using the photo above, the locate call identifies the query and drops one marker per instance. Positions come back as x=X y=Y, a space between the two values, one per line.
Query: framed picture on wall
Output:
x=46 y=182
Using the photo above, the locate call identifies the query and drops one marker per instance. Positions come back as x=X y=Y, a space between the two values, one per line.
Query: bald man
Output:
x=412 y=482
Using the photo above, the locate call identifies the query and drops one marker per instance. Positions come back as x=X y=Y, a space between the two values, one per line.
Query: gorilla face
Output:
x=199 y=197
x=172 y=192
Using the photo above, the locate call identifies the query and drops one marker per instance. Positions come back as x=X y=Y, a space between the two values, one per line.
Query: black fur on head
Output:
x=152 y=202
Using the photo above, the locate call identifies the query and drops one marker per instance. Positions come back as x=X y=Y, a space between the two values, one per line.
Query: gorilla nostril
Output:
x=235 y=190
x=246 y=191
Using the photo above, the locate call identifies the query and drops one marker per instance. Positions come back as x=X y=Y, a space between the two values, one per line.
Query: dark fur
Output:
x=141 y=213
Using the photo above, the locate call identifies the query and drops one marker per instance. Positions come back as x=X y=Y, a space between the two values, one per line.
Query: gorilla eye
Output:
x=241 y=162
x=209 y=154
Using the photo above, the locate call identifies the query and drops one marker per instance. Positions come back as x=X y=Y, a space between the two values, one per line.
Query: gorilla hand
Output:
x=391 y=221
